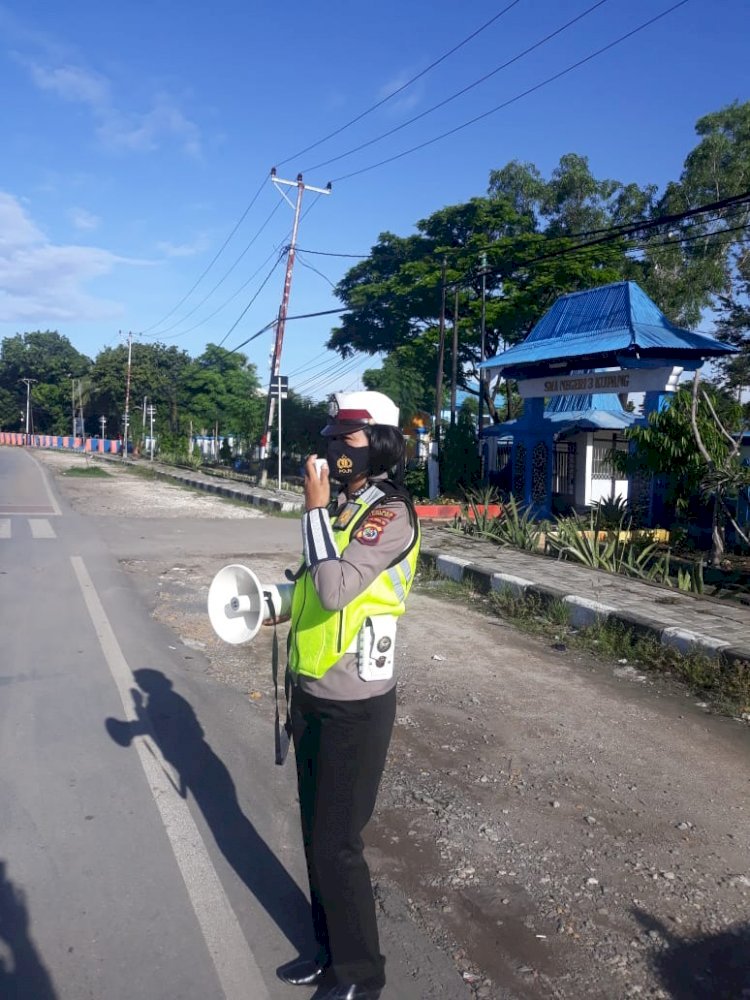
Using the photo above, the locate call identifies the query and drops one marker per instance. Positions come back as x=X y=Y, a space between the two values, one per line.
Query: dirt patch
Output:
x=124 y=493
x=559 y=829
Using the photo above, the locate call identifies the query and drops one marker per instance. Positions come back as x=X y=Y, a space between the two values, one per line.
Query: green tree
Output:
x=401 y=378
x=50 y=359
x=302 y=421
x=393 y=298
x=10 y=411
x=221 y=389
x=668 y=442
x=714 y=259
x=459 y=459
x=155 y=373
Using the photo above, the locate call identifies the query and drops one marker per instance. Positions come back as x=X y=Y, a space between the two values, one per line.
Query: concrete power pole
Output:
x=482 y=352
x=265 y=443
x=127 y=398
x=28 y=382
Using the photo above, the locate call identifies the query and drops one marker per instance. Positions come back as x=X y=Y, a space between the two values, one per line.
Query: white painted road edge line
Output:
x=43 y=472
x=235 y=965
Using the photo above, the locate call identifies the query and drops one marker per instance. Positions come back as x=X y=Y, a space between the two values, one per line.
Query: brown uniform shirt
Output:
x=338 y=579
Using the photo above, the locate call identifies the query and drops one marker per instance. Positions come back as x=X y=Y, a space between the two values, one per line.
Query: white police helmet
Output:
x=352 y=411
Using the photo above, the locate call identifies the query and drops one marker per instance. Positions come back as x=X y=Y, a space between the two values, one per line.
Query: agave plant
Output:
x=578 y=539
x=479 y=502
x=516 y=526
x=613 y=513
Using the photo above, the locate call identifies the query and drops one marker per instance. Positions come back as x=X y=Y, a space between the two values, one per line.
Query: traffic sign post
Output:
x=279 y=390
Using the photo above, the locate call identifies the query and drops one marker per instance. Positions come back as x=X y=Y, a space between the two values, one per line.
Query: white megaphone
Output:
x=238 y=603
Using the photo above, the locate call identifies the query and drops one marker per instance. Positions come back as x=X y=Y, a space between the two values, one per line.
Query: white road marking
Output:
x=5 y=527
x=41 y=528
x=52 y=500
x=235 y=965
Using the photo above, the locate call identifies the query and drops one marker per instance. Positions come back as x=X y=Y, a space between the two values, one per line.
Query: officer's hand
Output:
x=317 y=487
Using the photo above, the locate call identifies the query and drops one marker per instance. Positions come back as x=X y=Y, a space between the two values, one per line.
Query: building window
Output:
x=601 y=459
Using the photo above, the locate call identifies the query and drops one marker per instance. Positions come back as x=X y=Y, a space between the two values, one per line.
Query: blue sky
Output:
x=134 y=136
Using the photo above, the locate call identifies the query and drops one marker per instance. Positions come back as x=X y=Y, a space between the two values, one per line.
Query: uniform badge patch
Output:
x=344 y=516
x=384 y=512
x=369 y=533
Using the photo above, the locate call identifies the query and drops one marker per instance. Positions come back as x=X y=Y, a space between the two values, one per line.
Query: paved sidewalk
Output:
x=674 y=618
x=677 y=619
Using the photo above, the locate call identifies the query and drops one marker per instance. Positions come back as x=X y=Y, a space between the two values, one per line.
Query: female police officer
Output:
x=359 y=562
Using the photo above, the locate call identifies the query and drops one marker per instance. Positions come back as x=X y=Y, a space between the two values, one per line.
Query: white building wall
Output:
x=583 y=470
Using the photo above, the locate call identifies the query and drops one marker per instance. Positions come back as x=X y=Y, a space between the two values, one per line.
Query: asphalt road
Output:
x=150 y=848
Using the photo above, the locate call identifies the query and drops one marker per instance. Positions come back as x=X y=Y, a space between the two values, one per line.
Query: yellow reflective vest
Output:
x=319 y=638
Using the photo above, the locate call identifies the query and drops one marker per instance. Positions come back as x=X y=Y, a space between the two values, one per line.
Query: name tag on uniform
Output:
x=344 y=517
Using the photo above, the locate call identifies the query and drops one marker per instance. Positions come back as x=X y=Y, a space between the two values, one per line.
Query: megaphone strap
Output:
x=283 y=735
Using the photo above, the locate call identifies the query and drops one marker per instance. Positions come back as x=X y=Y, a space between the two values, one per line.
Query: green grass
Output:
x=726 y=686
x=89 y=471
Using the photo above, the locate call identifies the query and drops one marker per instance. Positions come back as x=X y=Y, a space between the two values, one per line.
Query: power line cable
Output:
x=216 y=256
x=232 y=297
x=308 y=366
x=339 y=369
x=329 y=253
x=731 y=203
x=518 y=97
x=402 y=88
x=464 y=90
x=255 y=336
x=221 y=281
x=624 y=232
x=310 y=267
x=241 y=316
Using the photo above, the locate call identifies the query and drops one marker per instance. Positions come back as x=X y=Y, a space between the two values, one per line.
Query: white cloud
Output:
x=182 y=249
x=147 y=131
x=118 y=129
x=73 y=83
x=405 y=101
x=83 y=220
x=44 y=282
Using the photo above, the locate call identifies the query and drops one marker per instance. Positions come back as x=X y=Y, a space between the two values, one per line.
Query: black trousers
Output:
x=340 y=747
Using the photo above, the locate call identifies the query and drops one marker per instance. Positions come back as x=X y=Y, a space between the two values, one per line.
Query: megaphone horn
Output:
x=238 y=603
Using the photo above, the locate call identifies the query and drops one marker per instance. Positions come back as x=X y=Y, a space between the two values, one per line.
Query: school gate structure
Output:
x=576 y=371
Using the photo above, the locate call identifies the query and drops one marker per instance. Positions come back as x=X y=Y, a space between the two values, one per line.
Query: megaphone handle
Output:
x=282 y=736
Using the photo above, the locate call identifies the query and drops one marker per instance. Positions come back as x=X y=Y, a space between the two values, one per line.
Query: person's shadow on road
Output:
x=23 y=975
x=170 y=721
x=709 y=967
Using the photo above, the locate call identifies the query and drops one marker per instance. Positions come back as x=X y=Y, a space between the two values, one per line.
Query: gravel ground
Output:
x=560 y=828
x=123 y=492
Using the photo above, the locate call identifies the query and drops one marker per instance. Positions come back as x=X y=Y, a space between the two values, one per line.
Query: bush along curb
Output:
x=583 y=611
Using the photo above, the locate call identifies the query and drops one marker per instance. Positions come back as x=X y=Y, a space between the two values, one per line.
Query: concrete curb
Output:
x=251 y=495
x=583 y=611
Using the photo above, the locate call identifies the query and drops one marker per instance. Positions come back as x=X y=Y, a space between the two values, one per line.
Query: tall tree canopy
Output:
x=393 y=298
x=52 y=361
x=527 y=235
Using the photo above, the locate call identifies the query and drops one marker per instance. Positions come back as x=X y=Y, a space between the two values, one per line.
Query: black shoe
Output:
x=302 y=972
x=352 y=992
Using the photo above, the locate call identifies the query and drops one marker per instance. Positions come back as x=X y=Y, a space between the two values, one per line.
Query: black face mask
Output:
x=346 y=463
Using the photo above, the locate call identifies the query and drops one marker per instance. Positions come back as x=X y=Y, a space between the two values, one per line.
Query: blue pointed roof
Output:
x=604 y=327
